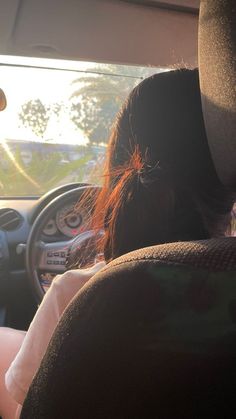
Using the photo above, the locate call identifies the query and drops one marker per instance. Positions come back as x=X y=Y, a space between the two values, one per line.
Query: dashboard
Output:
x=18 y=214
x=64 y=225
x=17 y=219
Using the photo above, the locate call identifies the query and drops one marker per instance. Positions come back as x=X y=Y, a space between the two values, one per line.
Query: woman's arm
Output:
x=10 y=343
x=23 y=368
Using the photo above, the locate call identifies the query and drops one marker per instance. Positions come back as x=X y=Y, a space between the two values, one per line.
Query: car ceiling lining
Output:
x=99 y=31
x=174 y=7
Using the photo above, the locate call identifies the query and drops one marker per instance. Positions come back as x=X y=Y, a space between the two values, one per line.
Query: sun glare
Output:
x=56 y=124
x=51 y=83
x=19 y=169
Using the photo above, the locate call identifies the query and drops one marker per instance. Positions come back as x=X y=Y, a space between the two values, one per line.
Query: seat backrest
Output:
x=152 y=335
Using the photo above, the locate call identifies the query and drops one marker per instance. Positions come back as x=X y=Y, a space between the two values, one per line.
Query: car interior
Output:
x=116 y=352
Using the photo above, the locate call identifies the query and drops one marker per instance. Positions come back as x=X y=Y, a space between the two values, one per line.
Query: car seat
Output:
x=153 y=335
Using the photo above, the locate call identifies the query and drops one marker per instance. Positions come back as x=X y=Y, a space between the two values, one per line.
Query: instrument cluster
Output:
x=68 y=222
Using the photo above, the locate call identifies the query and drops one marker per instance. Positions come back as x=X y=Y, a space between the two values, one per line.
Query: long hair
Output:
x=160 y=184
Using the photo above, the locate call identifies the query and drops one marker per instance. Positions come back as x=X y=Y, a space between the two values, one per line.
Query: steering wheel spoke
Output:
x=52 y=256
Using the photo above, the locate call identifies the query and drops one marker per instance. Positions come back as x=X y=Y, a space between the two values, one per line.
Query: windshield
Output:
x=56 y=125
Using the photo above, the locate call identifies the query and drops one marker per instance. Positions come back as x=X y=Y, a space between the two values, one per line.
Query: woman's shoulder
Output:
x=78 y=275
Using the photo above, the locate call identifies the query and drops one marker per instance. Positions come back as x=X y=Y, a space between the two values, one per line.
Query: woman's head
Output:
x=160 y=184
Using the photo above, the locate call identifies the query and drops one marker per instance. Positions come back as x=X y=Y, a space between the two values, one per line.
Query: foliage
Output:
x=99 y=96
x=92 y=108
x=35 y=115
x=46 y=170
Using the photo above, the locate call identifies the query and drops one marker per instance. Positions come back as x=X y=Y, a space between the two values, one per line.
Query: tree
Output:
x=35 y=115
x=99 y=96
x=92 y=108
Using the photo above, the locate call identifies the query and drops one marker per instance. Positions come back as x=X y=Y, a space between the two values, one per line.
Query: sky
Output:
x=23 y=84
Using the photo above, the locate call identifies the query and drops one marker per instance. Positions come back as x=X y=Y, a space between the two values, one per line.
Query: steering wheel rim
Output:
x=35 y=247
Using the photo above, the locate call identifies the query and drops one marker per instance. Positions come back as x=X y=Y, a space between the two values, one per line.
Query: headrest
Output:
x=217 y=70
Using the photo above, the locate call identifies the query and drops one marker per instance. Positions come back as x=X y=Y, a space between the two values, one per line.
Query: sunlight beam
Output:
x=17 y=166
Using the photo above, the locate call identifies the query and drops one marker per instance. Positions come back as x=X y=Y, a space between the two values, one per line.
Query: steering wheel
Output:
x=51 y=257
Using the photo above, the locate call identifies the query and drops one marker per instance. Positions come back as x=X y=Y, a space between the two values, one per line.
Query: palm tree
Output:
x=99 y=95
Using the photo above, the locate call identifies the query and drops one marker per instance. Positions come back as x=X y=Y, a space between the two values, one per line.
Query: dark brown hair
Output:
x=160 y=184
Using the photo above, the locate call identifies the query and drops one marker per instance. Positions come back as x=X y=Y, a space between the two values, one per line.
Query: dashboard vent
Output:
x=9 y=219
